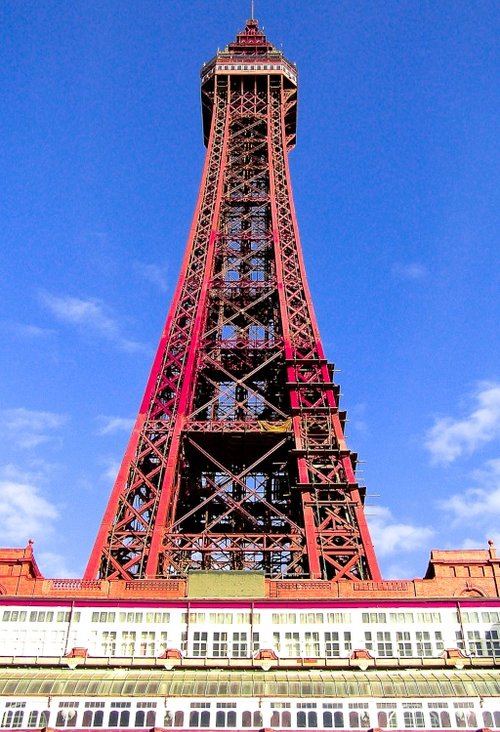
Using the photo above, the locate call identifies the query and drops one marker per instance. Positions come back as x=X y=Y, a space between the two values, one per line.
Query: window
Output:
x=424 y=647
x=119 y=719
x=240 y=645
x=145 y=719
x=199 y=719
x=311 y=644
x=384 y=644
x=104 y=617
x=493 y=642
x=401 y=617
x=219 y=647
x=281 y=719
x=128 y=642
x=66 y=716
x=199 y=643
x=252 y=719
x=374 y=617
x=413 y=718
x=33 y=720
x=93 y=718
x=108 y=642
x=476 y=643
x=225 y=719
x=359 y=719
x=13 y=716
x=147 y=644
x=440 y=719
x=429 y=617
x=292 y=645
x=405 y=649
x=307 y=719
x=387 y=719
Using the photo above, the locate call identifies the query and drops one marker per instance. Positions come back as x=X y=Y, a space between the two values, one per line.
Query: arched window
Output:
x=301 y=719
x=113 y=718
x=179 y=719
x=312 y=719
x=286 y=719
x=205 y=719
x=87 y=718
x=353 y=719
x=139 y=718
x=246 y=719
x=257 y=719
x=124 y=718
x=445 y=719
x=471 y=719
x=382 y=719
x=496 y=717
x=220 y=719
x=194 y=719
x=151 y=718
x=487 y=719
x=338 y=719
x=327 y=719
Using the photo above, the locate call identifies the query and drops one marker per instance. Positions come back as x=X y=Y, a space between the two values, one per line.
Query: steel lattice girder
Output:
x=240 y=415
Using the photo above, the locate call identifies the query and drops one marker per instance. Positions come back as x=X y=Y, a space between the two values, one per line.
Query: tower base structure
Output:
x=240 y=651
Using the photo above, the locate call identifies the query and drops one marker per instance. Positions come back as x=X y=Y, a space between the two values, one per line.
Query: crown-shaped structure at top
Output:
x=251 y=40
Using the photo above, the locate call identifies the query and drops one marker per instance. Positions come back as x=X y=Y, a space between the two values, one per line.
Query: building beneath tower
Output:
x=233 y=582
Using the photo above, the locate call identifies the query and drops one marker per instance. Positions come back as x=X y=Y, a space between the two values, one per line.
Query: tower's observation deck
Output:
x=250 y=57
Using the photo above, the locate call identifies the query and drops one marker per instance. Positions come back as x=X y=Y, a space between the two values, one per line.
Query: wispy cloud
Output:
x=26 y=330
x=450 y=437
x=24 y=512
x=110 y=425
x=89 y=316
x=357 y=419
x=482 y=501
x=111 y=468
x=393 y=537
x=409 y=271
x=27 y=428
x=154 y=274
x=54 y=565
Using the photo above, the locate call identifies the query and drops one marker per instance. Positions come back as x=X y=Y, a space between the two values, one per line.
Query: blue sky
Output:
x=396 y=183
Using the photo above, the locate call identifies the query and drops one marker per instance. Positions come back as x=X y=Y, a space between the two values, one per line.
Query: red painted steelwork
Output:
x=238 y=458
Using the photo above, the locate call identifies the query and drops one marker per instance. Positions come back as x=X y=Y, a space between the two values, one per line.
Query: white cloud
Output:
x=481 y=501
x=154 y=274
x=357 y=419
x=110 y=425
x=392 y=537
x=111 y=468
x=110 y=471
x=409 y=271
x=27 y=428
x=449 y=438
x=52 y=564
x=24 y=512
x=27 y=330
x=89 y=316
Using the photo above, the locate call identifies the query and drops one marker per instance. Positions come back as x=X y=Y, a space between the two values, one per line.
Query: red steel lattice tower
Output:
x=238 y=460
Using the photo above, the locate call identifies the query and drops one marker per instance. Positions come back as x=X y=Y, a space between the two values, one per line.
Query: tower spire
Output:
x=238 y=459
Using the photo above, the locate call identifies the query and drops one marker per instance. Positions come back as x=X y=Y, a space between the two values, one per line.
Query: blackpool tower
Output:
x=233 y=583
x=237 y=460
